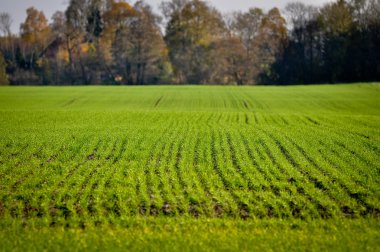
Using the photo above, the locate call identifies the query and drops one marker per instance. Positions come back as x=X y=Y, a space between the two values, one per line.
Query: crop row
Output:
x=241 y=165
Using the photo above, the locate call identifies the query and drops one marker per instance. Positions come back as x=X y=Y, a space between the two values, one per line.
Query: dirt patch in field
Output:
x=154 y=210
x=324 y=212
x=2 y=209
x=244 y=212
x=347 y=211
x=218 y=210
x=167 y=209
x=60 y=210
x=29 y=210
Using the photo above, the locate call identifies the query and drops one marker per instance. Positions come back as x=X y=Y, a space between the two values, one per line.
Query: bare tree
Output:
x=7 y=47
x=5 y=24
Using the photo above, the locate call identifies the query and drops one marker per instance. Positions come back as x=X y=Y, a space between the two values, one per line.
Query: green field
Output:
x=190 y=168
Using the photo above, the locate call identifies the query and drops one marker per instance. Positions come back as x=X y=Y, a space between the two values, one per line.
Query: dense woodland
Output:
x=191 y=42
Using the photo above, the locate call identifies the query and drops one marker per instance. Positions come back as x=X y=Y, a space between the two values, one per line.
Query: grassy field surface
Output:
x=190 y=168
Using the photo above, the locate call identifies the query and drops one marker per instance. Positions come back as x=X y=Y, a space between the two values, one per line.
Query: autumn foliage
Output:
x=113 y=42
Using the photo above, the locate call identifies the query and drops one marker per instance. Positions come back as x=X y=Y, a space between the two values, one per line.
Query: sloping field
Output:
x=147 y=158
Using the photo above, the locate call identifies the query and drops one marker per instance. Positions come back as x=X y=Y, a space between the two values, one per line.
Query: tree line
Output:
x=191 y=42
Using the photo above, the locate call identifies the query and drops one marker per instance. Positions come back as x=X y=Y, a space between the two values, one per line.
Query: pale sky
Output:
x=17 y=8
